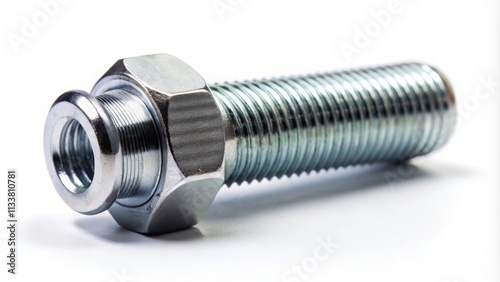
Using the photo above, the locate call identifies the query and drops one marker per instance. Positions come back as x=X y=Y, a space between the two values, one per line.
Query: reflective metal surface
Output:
x=305 y=123
x=83 y=154
x=153 y=143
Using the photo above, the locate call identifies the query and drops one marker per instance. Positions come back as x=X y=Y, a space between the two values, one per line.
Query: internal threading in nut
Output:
x=300 y=124
x=77 y=156
x=138 y=139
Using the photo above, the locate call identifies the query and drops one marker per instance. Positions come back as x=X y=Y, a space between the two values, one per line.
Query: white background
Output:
x=439 y=221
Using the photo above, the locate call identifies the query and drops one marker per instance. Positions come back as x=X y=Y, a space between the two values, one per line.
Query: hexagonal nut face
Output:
x=191 y=129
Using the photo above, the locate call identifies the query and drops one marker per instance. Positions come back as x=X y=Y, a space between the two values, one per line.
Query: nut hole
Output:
x=76 y=160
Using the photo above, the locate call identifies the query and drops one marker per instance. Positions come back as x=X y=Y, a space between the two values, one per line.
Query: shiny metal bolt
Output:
x=153 y=143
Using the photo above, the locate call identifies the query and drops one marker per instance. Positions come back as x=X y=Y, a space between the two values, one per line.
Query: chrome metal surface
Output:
x=305 y=123
x=153 y=143
x=139 y=145
x=82 y=151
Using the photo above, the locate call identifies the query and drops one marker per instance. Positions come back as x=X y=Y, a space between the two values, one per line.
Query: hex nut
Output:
x=192 y=141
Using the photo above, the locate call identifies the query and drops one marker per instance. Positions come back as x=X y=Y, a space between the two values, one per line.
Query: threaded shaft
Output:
x=138 y=140
x=300 y=124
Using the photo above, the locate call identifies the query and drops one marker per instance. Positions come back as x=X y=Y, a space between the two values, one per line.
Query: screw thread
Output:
x=299 y=124
x=138 y=142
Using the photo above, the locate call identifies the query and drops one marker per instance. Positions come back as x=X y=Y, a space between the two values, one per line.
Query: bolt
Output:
x=154 y=144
